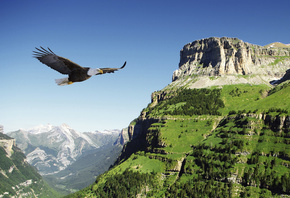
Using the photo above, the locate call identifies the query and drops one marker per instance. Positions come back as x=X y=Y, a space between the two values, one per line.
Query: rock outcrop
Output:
x=137 y=136
x=7 y=145
x=231 y=56
x=1 y=129
x=124 y=137
x=277 y=123
x=283 y=79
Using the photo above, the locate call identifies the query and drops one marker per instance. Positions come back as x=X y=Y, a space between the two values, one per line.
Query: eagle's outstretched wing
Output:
x=60 y=64
x=111 y=70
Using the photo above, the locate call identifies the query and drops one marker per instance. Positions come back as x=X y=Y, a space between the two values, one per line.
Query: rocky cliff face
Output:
x=135 y=136
x=284 y=78
x=217 y=57
x=213 y=62
x=190 y=151
x=1 y=129
x=221 y=61
x=123 y=137
x=7 y=144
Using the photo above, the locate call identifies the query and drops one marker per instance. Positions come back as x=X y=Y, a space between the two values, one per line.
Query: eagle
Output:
x=75 y=72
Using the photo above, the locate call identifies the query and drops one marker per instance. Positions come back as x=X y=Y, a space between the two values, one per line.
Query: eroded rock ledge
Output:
x=230 y=56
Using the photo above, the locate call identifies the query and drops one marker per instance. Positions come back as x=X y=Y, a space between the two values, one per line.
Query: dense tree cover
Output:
x=261 y=172
x=212 y=166
x=278 y=110
x=231 y=163
x=244 y=156
x=128 y=184
x=196 y=102
x=265 y=176
x=200 y=188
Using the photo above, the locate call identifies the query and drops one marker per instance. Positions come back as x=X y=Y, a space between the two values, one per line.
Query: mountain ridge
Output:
x=62 y=154
x=229 y=139
x=199 y=80
x=61 y=138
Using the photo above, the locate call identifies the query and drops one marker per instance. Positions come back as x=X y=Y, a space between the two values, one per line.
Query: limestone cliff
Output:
x=213 y=62
x=186 y=151
x=7 y=144
x=124 y=137
x=219 y=61
x=220 y=57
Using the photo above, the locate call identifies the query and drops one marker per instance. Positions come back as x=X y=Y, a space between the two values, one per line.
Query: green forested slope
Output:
x=17 y=177
x=234 y=144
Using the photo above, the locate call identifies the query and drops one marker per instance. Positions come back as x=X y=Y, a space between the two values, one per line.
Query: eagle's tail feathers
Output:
x=62 y=81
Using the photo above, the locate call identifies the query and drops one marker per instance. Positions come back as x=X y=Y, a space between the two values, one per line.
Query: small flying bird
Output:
x=76 y=73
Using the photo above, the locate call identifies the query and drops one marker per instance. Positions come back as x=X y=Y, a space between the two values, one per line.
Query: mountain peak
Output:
x=63 y=125
x=109 y=132
x=220 y=61
x=63 y=128
x=278 y=45
x=40 y=129
x=65 y=143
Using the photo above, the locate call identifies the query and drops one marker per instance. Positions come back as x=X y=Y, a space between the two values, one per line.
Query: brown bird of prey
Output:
x=76 y=73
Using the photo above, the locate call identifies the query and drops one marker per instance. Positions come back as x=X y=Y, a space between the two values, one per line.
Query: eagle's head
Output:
x=92 y=72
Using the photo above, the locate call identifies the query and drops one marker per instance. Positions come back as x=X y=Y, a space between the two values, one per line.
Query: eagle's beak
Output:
x=101 y=71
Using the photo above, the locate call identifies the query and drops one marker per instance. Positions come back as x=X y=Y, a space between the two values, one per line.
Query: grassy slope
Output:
x=179 y=134
x=279 y=45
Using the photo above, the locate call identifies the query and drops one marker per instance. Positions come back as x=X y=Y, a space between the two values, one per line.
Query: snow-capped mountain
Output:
x=52 y=148
x=109 y=132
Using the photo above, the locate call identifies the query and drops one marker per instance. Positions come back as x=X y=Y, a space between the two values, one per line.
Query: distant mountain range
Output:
x=52 y=148
x=60 y=153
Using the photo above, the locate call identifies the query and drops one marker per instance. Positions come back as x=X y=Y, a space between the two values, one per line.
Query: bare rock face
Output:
x=284 y=78
x=7 y=144
x=124 y=136
x=230 y=56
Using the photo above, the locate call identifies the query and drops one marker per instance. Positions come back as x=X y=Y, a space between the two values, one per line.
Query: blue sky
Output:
x=147 y=34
